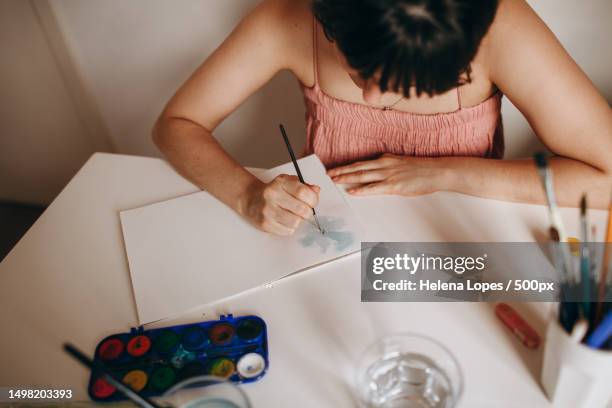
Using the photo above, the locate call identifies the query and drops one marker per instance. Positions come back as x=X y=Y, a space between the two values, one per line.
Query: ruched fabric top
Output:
x=341 y=132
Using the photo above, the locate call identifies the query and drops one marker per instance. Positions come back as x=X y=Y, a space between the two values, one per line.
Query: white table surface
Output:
x=68 y=279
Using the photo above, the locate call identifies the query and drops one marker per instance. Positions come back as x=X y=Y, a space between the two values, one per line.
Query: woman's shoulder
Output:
x=514 y=19
x=287 y=26
x=511 y=18
x=517 y=36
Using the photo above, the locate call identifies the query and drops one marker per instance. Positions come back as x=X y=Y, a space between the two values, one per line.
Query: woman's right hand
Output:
x=280 y=206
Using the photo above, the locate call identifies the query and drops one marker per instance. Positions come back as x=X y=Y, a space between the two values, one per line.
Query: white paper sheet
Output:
x=194 y=250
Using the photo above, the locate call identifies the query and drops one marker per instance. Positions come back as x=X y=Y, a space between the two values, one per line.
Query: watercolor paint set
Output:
x=152 y=361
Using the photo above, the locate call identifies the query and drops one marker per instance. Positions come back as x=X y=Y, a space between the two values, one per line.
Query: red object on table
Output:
x=521 y=329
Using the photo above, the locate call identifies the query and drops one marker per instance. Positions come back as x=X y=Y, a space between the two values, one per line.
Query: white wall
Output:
x=134 y=55
x=42 y=139
x=123 y=59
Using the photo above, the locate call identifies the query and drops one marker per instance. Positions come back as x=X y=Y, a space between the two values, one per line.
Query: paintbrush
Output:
x=585 y=269
x=602 y=333
x=603 y=276
x=297 y=170
x=568 y=310
x=136 y=397
x=553 y=210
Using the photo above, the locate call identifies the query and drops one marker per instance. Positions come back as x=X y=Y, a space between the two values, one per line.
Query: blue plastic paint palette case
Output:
x=152 y=361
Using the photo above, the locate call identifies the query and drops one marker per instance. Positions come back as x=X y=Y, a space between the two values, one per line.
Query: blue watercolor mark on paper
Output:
x=333 y=236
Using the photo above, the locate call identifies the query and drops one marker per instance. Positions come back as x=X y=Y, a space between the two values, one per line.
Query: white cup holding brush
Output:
x=575 y=375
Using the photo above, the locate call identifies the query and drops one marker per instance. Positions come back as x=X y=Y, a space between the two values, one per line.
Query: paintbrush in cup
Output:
x=585 y=263
x=556 y=221
x=605 y=263
x=568 y=310
x=547 y=182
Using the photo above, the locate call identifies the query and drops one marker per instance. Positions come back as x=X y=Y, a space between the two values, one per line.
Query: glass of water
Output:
x=408 y=371
x=206 y=392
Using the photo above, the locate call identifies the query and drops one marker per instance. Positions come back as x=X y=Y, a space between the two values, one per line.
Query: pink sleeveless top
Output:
x=341 y=132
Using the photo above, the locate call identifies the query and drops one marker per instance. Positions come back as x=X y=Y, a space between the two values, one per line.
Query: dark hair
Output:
x=428 y=44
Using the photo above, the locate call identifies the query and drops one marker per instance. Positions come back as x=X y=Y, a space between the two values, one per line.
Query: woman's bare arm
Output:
x=561 y=104
x=245 y=61
x=260 y=46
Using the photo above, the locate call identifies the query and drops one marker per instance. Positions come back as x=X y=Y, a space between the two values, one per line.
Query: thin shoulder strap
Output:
x=458 y=98
x=314 y=51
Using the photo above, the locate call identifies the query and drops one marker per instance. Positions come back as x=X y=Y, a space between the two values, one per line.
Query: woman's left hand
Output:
x=392 y=174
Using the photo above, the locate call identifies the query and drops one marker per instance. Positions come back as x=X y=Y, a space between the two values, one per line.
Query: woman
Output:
x=403 y=97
